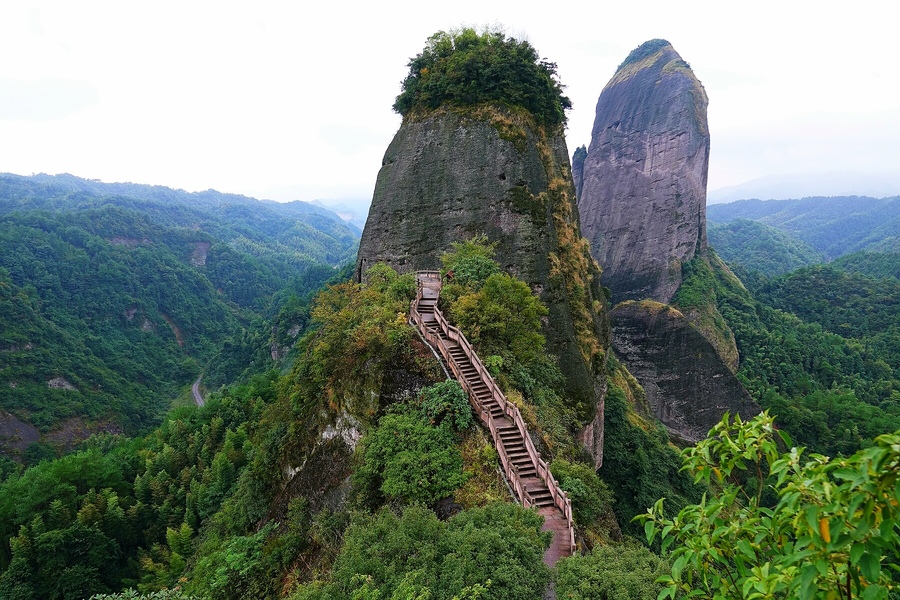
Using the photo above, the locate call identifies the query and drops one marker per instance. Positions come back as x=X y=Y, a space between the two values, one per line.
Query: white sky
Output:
x=290 y=100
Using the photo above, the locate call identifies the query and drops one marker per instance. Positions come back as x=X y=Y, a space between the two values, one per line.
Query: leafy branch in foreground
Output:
x=830 y=532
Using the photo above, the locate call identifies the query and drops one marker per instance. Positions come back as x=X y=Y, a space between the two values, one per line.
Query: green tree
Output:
x=504 y=316
x=591 y=498
x=616 y=572
x=471 y=261
x=492 y=552
x=407 y=458
x=465 y=68
x=831 y=528
x=447 y=400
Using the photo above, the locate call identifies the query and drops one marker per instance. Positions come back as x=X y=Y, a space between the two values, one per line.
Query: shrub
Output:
x=503 y=317
x=499 y=548
x=618 y=572
x=590 y=496
x=447 y=401
x=409 y=459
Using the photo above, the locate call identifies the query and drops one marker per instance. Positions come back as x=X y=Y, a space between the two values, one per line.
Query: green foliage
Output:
x=639 y=465
x=616 y=572
x=591 y=498
x=471 y=261
x=407 y=458
x=119 y=512
x=131 y=594
x=870 y=264
x=760 y=247
x=232 y=570
x=125 y=298
x=847 y=304
x=833 y=226
x=503 y=317
x=830 y=533
x=832 y=390
x=361 y=329
x=465 y=68
x=831 y=422
x=491 y=552
x=447 y=401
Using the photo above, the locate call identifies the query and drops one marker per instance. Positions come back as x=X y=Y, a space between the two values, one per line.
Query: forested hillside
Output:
x=111 y=304
x=833 y=226
x=335 y=457
x=872 y=264
x=807 y=353
x=760 y=247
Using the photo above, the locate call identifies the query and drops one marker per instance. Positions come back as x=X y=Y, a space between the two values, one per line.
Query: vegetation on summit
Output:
x=465 y=68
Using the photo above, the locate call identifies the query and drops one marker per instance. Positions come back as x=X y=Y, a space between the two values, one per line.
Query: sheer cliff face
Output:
x=688 y=386
x=643 y=201
x=643 y=208
x=449 y=176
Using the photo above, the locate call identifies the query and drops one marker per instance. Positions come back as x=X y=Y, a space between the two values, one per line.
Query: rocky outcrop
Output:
x=578 y=169
x=450 y=175
x=643 y=202
x=688 y=386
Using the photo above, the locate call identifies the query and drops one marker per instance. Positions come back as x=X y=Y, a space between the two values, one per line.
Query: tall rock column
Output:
x=481 y=151
x=643 y=200
x=450 y=175
x=643 y=208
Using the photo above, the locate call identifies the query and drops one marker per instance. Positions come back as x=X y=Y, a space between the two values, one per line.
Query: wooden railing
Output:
x=511 y=411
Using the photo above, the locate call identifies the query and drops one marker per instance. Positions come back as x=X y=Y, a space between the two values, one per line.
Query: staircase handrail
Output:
x=560 y=499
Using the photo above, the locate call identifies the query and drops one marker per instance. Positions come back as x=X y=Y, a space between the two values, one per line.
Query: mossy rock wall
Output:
x=450 y=175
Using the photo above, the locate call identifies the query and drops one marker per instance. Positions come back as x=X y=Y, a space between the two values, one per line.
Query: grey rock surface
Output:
x=578 y=169
x=687 y=385
x=449 y=176
x=643 y=202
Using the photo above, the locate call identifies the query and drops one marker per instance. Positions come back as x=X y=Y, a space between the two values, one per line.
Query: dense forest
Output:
x=269 y=490
x=761 y=247
x=832 y=387
x=111 y=305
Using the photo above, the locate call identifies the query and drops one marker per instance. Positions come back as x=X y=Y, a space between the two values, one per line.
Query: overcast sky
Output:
x=291 y=100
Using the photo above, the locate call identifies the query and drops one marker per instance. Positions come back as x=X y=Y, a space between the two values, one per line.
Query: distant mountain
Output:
x=115 y=297
x=761 y=247
x=833 y=226
x=787 y=186
x=353 y=212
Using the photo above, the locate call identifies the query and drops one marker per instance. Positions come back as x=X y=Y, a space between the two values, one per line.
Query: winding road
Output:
x=195 y=390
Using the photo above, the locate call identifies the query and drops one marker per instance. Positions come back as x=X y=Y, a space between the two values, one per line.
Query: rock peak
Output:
x=482 y=164
x=643 y=197
x=647 y=49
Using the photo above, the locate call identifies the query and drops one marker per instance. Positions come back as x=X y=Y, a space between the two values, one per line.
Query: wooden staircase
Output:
x=525 y=470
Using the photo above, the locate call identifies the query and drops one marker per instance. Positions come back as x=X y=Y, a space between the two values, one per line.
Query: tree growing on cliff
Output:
x=467 y=68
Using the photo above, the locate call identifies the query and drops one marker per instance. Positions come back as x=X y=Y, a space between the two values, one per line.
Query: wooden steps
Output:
x=523 y=465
